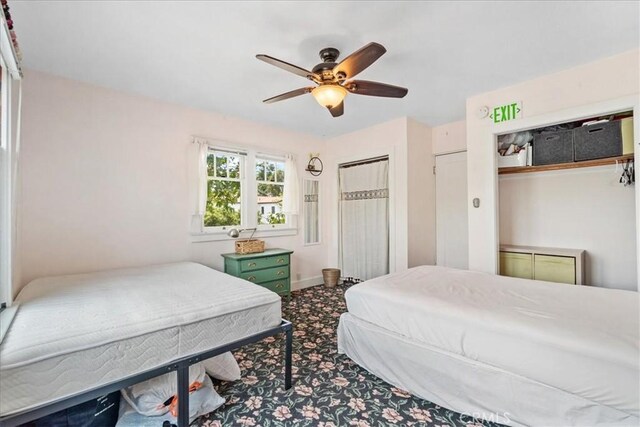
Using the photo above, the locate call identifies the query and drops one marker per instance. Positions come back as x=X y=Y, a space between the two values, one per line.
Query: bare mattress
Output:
x=582 y=340
x=74 y=333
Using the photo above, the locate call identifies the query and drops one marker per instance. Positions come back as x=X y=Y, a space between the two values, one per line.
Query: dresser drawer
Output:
x=266 y=275
x=278 y=286
x=516 y=265
x=266 y=262
x=558 y=269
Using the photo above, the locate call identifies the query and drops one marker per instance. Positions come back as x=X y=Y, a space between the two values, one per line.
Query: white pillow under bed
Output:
x=148 y=397
x=223 y=367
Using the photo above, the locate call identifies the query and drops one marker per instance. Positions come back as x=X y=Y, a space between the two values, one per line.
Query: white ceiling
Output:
x=202 y=54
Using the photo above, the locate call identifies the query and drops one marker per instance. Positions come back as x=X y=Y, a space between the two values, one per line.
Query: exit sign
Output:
x=504 y=113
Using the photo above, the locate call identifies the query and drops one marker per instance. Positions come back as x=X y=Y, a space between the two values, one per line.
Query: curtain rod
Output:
x=217 y=145
x=363 y=162
x=227 y=146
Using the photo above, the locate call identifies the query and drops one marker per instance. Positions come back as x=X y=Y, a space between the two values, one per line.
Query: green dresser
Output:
x=271 y=269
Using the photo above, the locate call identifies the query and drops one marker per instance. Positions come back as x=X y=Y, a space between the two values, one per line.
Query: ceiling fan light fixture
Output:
x=329 y=95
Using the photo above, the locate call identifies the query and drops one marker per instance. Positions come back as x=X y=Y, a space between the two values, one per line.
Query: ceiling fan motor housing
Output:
x=329 y=56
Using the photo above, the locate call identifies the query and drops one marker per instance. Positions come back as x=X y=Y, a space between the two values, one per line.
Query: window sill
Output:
x=214 y=236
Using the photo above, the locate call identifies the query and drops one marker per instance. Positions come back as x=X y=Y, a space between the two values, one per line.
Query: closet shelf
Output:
x=559 y=166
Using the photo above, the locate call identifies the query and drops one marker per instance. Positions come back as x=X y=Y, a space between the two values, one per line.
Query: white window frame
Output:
x=288 y=218
x=6 y=267
x=243 y=194
x=10 y=72
x=249 y=201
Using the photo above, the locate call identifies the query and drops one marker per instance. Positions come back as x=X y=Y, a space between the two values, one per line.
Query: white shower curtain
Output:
x=364 y=220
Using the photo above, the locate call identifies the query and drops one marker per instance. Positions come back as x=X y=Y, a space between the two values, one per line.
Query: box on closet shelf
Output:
x=626 y=126
x=553 y=147
x=516 y=159
x=598 y=141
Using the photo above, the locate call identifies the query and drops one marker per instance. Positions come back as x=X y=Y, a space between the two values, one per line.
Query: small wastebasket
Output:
x=331 y=276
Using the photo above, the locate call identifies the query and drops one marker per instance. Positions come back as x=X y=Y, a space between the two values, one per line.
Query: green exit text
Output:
x=504 y=113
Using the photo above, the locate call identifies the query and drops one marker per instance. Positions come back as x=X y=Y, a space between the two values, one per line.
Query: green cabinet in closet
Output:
x=514 y=264
x=560 y=269
x=546 y=264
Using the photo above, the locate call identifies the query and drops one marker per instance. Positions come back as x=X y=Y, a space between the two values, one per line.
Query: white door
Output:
x=452 y=239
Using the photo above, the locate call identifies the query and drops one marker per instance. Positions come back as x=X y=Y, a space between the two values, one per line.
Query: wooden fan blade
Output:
x=364 y=87
x=288 y=67
x=338 y=110
x=288 y=95
x=359 y=60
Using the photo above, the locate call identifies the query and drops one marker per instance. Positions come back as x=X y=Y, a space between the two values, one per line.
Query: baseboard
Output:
x=306 y=283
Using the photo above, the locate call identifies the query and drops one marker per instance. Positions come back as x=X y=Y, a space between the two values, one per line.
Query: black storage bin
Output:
x=553 y=147
x=598 y=141
x=100 y=412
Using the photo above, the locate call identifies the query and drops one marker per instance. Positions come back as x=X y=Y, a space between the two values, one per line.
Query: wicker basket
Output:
x=250 y=246
x=331 y=277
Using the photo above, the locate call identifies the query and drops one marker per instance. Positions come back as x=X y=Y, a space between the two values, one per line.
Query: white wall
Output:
x=107 y=180
x=389 y=138
x=421 y=195
x=411 y=185
x=450 y=137
x=563 y=96
x=576 y=208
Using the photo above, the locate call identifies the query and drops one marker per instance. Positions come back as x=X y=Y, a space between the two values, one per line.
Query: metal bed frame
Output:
x=181 y=366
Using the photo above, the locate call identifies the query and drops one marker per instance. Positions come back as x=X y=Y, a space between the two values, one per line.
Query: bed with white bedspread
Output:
x=74 y=333
x=516 y=351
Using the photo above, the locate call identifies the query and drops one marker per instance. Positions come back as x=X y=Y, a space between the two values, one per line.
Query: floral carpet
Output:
x=329 y=390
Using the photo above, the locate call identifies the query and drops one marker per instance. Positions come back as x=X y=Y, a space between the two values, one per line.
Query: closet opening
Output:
x=567 y=202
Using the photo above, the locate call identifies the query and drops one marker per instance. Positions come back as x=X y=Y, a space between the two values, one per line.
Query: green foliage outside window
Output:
x=270 y=178
x=223 y=204
x=276 y=218
x=272 y=218
x=223 y=195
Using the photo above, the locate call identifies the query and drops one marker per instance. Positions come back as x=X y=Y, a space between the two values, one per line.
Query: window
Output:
x=224 y=189
x=238 y=198
x=9 y=122
x=5 y=192
x=270 y=187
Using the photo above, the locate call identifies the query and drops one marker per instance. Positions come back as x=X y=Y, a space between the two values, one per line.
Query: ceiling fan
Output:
x=334 y=80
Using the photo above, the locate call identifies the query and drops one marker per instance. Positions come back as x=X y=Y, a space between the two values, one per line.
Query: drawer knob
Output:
x=251 y=278
x=280 y=260
x=279 y=286
x=252 y=264
x=280 y=273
